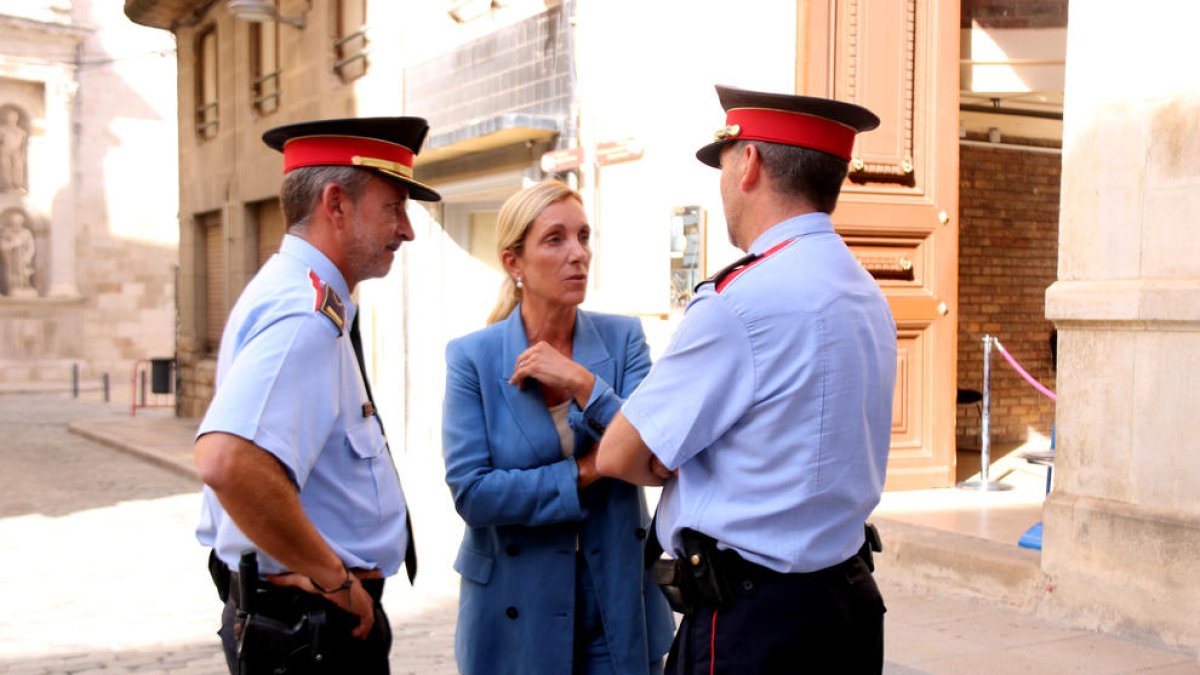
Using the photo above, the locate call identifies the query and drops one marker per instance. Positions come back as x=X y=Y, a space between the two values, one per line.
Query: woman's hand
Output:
x=550 y=367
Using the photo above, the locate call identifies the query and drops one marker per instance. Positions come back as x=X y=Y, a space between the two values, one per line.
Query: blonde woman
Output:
x=551 y=562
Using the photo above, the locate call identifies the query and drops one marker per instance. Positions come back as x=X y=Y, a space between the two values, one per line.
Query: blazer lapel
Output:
x=590 y=352
x=589 y=349
x=527 y=405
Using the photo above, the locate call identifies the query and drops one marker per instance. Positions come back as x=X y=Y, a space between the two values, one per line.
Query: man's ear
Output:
x=752 y=168
x=334 y=203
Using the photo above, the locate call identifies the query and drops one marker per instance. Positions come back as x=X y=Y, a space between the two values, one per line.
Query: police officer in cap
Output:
x=296 y=468
x=769 y=416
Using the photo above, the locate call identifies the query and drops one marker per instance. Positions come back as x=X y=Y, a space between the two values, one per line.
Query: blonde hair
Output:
x=516 y=215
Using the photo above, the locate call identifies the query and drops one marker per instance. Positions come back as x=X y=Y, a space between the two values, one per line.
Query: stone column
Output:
x=1122 y=526
x=60 y=100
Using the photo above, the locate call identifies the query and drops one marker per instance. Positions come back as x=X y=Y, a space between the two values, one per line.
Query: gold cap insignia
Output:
x=726 y=132
x=384 y=164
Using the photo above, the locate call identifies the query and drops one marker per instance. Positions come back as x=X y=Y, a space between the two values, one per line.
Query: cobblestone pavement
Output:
x=100 y=573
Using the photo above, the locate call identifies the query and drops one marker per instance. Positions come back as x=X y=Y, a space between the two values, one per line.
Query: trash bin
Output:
x=161 y=380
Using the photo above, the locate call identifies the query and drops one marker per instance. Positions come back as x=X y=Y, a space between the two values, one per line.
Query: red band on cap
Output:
x=347 y=151
x=790 y=128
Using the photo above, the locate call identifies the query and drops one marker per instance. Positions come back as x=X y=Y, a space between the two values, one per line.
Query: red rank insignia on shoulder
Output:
x=328 y=302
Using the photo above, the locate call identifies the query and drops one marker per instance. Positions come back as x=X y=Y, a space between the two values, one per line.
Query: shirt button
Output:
x=596 y=426
x=641 y=533
x=512 y=549
x=511 y=612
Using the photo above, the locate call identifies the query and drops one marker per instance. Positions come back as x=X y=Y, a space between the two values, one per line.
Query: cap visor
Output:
x=711 y=154
x=417 y=191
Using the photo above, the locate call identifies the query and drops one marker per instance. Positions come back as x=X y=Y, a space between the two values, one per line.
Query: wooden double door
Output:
x=899 y=208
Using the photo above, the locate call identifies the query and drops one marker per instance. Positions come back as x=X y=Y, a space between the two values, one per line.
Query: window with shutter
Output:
x=206 y=85
x=350 y=46
x=269 y=229
x=211 y=234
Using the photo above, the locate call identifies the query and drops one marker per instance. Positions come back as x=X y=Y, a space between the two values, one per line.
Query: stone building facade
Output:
x=1123 y=521
x=88 y=224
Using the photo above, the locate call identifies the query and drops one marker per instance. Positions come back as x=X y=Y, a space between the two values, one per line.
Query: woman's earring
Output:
x=520 y=284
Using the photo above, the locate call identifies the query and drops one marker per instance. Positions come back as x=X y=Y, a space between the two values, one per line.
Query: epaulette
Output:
x=723 y=278
x=719 y=278
x=328 y=302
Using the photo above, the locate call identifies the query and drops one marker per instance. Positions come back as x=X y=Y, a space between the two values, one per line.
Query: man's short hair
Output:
x=814 y=175
x=302 y=189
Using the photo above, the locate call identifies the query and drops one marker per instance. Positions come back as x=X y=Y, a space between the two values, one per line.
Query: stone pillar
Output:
x=60 y=99
x=1122 y=526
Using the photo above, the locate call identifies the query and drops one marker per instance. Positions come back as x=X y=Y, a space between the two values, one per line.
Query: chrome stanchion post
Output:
x=985 y=418
x=984 y=484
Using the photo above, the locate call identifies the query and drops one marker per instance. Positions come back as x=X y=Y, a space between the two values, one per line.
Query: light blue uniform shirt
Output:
x=288 y=380
x=774 y=402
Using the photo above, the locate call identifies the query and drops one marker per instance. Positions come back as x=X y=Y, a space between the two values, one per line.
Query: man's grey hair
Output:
x=302 y=190
x=816 y=176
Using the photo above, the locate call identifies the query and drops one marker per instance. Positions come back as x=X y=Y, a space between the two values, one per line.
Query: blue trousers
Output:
x=829 y=621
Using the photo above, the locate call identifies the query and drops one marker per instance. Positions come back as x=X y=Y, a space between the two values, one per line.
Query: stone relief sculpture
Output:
x=17 y=251
x=13 y=151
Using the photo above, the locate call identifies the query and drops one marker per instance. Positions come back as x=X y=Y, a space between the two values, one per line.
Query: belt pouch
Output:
x=675 y=582
x=220 y=575
x=704 y=566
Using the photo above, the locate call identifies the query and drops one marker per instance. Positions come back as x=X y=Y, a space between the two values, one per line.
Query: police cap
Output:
x=385 y=145
x=805 y=121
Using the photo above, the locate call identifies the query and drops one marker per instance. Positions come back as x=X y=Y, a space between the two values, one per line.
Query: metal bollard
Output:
x=104 y=381
x=74 y=380
x=984 y=484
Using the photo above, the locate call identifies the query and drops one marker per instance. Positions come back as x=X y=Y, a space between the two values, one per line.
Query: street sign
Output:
x=612 y=152
x=562 y=160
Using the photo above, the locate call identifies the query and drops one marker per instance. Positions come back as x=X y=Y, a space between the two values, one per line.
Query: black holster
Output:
x=269 y=645
x=871 y=544
x=694 y=578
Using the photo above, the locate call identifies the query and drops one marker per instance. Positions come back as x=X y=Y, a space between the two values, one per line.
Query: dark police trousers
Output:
x=828 y=621
x=283 y=606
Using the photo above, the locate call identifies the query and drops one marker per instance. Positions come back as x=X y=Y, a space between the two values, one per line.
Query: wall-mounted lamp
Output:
x=261 y=11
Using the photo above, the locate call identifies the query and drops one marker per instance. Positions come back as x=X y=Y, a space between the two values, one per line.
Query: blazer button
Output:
x=512 y=549
x=641 y=533
x=511 y=612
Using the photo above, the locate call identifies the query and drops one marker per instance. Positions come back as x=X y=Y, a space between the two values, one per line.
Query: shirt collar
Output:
x=797 y=226
x=312 y=258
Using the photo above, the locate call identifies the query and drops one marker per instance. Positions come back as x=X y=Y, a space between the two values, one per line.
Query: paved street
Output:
x=100 y=573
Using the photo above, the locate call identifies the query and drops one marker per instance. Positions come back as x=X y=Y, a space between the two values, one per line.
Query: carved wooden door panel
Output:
x=899 y=207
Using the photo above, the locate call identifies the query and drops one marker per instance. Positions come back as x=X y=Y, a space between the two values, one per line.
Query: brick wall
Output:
x=1008 y=256
x=1015 y=13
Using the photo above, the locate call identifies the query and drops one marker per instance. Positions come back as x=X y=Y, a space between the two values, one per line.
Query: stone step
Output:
x=926 y=558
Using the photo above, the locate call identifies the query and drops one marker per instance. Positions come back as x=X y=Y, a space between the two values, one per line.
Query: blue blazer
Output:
x=524 y=512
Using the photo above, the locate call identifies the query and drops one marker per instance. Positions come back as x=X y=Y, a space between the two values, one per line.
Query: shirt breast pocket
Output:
x=368 y=449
